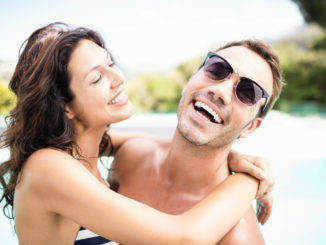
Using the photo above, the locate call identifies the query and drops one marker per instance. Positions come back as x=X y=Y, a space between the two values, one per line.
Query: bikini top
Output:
x=87 y=237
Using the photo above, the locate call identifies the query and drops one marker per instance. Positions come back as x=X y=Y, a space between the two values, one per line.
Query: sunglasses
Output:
x=246 y=90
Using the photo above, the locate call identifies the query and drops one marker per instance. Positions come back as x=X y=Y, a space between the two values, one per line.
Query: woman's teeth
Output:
x=118 y=98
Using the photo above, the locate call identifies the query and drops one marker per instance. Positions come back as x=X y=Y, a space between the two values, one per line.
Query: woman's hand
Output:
x=259 y=168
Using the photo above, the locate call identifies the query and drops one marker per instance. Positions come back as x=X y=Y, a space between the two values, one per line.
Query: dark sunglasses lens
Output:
x=248 y=92
x=216 y=68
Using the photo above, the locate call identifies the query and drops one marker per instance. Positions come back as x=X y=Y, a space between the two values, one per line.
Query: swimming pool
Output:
x=296 y=149
x=299 y=210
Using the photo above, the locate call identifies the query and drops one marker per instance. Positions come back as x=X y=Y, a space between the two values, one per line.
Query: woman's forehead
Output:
x=87 y=55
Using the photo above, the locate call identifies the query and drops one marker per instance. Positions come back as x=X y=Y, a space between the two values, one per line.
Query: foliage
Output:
x=313 y=11
x=161 y=93
x=320 y=43
x=304 y=72
x=153 y=92
x=7 y=98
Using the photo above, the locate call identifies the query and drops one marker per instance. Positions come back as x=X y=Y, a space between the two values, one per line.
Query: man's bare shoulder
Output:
x=246 y=231
x=135 y=156
x=140 y=146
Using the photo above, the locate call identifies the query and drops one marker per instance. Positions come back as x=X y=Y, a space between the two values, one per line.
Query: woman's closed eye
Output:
x=111 y=63
x=97 y=78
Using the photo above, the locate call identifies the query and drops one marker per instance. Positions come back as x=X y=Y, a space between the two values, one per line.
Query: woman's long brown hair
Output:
x=41 y=84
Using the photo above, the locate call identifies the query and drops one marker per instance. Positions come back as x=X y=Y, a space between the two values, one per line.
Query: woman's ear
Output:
x=69 y=112
x=251 y=127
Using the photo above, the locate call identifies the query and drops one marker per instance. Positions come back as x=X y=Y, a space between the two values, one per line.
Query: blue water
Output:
x=299 y=212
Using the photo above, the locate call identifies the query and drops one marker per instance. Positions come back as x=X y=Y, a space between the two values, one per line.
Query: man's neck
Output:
x=188 y=167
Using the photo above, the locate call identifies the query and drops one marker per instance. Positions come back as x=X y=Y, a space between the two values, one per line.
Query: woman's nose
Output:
x=117 y=77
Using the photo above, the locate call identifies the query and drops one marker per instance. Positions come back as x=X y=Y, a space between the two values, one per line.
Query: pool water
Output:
x=299 y=209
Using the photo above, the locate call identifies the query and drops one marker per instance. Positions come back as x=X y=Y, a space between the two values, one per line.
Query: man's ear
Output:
x=69 y=112
x=252 y=126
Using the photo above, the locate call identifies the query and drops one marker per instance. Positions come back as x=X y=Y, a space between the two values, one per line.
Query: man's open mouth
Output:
x=207 y=112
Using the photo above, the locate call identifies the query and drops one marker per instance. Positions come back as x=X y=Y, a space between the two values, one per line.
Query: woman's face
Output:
x=97 y=85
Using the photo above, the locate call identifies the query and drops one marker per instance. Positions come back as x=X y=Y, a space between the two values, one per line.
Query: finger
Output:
x=264 y=165
x=266 y=217
x=268 y=211
x=265 y=185
x=259 y=217
x=262 y=189
x=262 y=215
x=267 y=208
x=253 y=170
x=261 y=163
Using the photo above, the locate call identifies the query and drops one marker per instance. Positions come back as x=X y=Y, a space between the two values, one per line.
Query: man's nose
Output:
x=223 y=90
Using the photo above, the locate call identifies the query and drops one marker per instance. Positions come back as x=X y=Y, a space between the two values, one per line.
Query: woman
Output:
x=68 y=90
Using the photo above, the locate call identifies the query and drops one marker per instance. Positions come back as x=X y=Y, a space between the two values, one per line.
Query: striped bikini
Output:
x=86 y=237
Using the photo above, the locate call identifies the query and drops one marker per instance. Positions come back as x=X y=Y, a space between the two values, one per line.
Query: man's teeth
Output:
x=118 y=98
x=200 y=104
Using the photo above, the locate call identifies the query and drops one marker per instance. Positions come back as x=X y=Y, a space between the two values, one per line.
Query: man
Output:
x=225 y=99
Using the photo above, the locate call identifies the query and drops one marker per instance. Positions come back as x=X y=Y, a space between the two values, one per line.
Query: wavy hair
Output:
x=41 y=83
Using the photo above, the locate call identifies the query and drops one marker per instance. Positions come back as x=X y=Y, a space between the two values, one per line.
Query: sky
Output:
x=154 y=35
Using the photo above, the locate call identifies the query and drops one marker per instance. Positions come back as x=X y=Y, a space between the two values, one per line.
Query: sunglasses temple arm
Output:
x=266 y=103
x=203 y=62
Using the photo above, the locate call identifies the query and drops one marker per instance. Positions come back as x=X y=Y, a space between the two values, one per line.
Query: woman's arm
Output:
x=67 y=188
x=259 y=168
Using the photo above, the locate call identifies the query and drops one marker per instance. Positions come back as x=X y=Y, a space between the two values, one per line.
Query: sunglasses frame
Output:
x=264 y=95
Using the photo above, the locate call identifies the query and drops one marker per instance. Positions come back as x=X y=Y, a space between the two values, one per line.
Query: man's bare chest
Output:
x=159 y=195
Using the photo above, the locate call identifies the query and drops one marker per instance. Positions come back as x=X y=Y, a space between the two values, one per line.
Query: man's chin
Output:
x=194 y=137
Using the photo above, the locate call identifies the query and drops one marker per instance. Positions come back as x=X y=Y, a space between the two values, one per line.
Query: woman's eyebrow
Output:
x=97 y=66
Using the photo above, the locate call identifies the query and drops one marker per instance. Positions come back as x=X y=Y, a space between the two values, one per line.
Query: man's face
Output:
x=209 y=112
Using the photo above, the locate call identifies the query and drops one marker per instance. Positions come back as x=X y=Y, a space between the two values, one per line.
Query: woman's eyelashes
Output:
x=97 y=78
x=111 y=64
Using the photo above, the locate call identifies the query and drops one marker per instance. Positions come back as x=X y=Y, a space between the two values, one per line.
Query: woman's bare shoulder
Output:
x=46 y=166
x=48 y=157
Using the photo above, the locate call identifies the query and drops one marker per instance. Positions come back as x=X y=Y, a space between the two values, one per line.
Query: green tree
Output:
x=161 y=93
x=7 y=98
x=314 y=11
x=150 y=92
x=304 y=71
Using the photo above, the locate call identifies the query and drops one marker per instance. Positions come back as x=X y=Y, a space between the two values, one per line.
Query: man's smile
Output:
x=207 y=111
